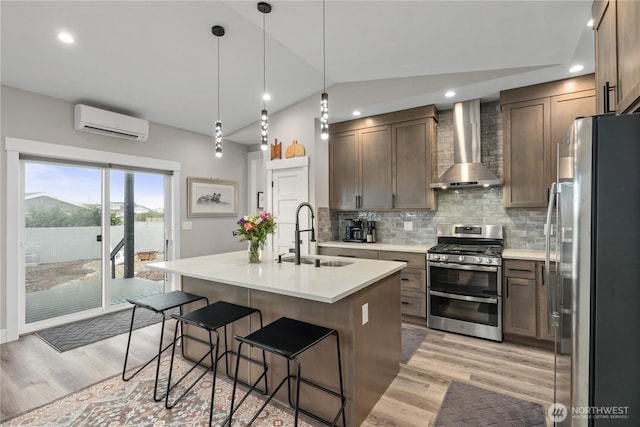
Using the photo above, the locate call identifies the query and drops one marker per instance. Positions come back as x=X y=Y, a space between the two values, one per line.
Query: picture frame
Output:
x=260 y=204
x=211 y=197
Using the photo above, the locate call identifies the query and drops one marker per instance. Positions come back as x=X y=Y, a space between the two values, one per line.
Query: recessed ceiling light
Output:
x=266 y=97
x=356 y=112
x=65 y=37
x=450 y=94
x=576 y=68
x=590 y=23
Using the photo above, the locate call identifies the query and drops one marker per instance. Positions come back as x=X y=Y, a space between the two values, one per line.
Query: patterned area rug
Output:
x=465 y=405
x=114 y=402
x=76 y=334
x=411 y=341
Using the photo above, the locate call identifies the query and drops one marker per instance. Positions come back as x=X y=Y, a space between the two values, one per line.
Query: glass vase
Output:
x=254 y=252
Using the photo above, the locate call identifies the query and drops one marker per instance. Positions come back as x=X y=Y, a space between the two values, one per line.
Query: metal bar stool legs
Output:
x=211 y=318
x=303 y=336
x=158 y=304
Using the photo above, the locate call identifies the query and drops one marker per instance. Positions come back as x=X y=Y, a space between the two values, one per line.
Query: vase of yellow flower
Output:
x=255 y=229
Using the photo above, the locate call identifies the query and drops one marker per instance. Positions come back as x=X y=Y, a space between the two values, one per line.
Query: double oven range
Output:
x=464 y=280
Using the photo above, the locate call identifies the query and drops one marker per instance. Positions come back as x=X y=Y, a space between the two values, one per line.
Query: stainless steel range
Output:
x=464 y=280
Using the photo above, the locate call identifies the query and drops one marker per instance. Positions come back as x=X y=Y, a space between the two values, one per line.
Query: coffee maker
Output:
x=354 y=231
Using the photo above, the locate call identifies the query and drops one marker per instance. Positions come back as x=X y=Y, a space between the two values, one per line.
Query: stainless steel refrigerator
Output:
x=594 y=239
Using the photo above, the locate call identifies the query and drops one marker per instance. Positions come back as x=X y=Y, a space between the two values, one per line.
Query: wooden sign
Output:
x=294 y=150
x=276 y=150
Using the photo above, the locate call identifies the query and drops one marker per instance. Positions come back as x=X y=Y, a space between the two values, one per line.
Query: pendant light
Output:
x=218 y=31
x=324 y=98
x=264 y=8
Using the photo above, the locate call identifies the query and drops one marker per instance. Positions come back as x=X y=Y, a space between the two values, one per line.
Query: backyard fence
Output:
x=61 y=244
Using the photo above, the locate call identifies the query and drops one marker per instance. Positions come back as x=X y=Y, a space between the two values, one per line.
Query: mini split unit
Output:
x=103 y=122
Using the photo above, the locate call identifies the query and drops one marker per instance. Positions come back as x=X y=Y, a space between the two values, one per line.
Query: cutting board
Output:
x=276 y=150
x=294 y=150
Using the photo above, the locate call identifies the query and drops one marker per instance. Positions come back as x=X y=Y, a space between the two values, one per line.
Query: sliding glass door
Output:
x=63 y=262
x=137 y=237
x=72 y=266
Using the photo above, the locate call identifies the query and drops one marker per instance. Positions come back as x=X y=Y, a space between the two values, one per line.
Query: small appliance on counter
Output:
x=354 y=231
x=371 y=232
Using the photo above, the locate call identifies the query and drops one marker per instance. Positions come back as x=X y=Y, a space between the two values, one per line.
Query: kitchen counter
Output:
x=525 y=254
x=323 y=284
x=422 y=249
x=360 y=300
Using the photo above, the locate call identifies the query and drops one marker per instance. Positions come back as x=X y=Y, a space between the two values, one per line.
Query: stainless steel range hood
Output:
x=467 y=170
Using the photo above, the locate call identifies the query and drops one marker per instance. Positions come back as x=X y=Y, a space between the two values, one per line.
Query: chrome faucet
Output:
x=298 y=231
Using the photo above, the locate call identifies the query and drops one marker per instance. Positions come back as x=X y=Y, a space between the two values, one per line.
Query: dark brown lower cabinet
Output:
x=525 y=300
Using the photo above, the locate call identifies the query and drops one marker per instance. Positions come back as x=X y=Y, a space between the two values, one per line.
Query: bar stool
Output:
x=211 y=318
x=289 y=338
x=159 y=304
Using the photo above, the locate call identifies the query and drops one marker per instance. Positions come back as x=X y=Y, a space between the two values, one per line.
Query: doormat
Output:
x=77 y=334
x=412 y=338
x=466 y=405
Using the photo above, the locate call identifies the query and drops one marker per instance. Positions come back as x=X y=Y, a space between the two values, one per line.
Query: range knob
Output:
x=479 y=260
x=461 y=258
x=488 y=260
x=444 y=257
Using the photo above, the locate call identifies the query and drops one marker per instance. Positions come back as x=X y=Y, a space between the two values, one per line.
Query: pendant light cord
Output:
x=324 y=50
x=264 y=63
x=218 y=78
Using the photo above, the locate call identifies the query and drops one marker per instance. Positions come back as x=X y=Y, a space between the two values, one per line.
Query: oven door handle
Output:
x=463 y=266
x=464 y=297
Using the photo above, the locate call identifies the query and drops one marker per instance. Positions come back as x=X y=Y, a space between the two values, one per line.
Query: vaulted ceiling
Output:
x=158 y=59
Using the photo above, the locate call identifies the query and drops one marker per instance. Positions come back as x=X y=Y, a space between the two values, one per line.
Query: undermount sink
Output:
x=325 y=263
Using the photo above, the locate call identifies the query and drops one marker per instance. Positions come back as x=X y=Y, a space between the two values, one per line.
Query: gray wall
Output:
x=28 y=115
x=523 y=227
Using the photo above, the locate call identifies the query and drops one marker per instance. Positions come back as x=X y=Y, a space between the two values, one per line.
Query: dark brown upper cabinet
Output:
x=383 y=162
x=617 y=41
x=535 y=119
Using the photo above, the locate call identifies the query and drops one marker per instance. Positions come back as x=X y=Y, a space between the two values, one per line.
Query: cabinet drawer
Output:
x=414 y=303
x=414 y=279
x=413 y=260
x=520 y=269
x=348 y=252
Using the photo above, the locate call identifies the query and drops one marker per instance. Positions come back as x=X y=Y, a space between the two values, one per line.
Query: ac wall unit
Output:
x=103 y=122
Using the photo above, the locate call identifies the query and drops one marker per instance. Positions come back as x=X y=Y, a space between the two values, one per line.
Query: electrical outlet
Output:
x=408 y=226
x=187 y=225
x=365 y=313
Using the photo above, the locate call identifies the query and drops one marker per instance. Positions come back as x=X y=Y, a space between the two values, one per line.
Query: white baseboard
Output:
x=3 y=336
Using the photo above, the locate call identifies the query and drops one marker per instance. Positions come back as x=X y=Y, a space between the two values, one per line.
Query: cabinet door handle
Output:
x=401 y=260
x=542 y=275
x=405 y=279
x=393 y=200
x=606 y=89
x=405 y=303
x=507 y=288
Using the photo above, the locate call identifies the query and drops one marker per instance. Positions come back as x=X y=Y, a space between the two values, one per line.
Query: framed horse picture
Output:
x=211 y=197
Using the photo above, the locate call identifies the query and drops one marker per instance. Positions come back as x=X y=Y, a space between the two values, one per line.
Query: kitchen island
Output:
x=359 y=298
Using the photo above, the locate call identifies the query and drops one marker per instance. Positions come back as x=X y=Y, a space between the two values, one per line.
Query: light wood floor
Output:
x=33 y=374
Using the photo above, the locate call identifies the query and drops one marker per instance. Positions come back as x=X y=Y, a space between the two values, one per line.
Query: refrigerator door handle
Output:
x=554 y=318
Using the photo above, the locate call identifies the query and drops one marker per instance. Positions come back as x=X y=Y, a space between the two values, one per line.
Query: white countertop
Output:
x=422 y=249
x=324 y=284
x=525 y=254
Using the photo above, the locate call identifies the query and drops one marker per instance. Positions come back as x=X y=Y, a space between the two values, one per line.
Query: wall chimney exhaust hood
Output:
x=467 y=169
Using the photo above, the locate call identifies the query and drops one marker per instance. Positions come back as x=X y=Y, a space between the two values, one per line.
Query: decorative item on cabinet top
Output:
x=276 y=150
x=294 y=150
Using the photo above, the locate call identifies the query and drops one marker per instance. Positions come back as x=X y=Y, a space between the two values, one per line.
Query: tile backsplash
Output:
x=524 y=228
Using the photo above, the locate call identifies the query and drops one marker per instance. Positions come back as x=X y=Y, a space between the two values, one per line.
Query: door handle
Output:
x=99 y=238
x=607 y=88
